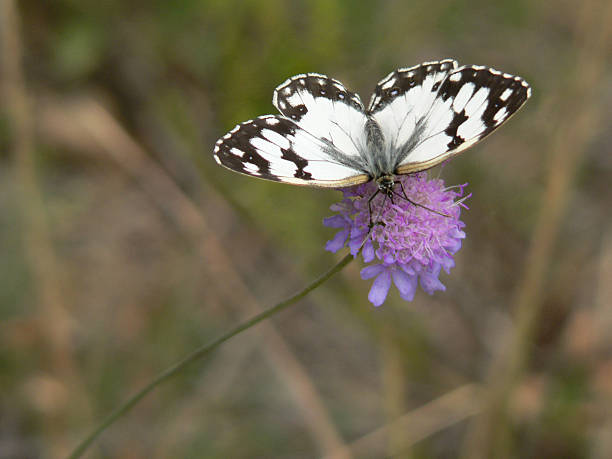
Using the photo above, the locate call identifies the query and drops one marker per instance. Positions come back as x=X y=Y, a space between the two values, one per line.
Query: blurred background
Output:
x=123 y=246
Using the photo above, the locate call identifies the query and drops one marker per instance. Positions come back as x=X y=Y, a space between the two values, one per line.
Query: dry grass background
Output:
x=123 y=246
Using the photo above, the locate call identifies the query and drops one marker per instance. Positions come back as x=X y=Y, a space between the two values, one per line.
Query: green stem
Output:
x=198 y=354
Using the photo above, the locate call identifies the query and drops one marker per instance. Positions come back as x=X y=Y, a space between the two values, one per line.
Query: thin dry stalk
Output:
x=40 y=253
x=393 y=385
x=603 y=296
x=226 y=368
x=416 y=425
x=102 y=129
x=45 y=268
x=602 y=444
x=489 y=436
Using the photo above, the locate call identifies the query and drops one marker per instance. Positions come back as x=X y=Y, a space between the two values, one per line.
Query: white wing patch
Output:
x=463 y=97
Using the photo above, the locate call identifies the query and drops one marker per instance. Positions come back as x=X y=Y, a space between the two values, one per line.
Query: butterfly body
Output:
x=417 y=118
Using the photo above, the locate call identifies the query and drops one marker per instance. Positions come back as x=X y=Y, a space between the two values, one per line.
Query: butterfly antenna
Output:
x=416 y=203
x=372 y=224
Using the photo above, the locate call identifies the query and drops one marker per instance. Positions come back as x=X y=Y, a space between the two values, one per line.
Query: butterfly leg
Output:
x=371 y=224
x=416 y=203
x=377 y=222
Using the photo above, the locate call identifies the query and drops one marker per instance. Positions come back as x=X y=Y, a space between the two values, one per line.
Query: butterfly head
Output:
x=385 y=185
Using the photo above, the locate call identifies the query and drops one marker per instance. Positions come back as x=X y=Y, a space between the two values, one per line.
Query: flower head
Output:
x=408 y=244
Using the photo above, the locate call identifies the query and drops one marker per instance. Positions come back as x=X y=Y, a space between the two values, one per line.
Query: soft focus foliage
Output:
x=130 y=246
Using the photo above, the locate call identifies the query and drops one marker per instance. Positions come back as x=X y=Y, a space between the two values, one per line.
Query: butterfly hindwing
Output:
x=326 y=109
x=470 y=103
x=275 y=148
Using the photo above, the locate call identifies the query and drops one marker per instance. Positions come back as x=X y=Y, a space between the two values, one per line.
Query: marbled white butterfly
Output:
x=417 y=118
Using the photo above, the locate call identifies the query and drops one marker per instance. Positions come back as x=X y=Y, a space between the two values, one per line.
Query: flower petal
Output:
x=409 y=268
x=457 y=233
x=453 y=245
x=447 y=263
x=336 y=221
x=337 y=242
x=430 y=282
x=380 y=288
x=368 y=251
x=357 y=238
x=405 y=284
x=371 y=271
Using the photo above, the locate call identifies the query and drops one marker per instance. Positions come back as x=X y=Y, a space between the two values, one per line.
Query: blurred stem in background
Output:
x=490 y=434
x=395 y=385
x=97 y=129
x=53 y=318
x=201 y=353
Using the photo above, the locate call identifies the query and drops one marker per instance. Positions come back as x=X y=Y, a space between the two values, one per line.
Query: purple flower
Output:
x=408 y=244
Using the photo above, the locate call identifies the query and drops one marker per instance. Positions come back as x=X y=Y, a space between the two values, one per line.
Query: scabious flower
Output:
x=408 y=244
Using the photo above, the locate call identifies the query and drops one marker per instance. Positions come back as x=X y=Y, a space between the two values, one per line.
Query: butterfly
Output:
x=417 y=118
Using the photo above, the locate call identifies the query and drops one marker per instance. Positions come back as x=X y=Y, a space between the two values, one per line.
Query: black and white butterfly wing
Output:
x=318 y=141
x=433 y=111
x=326 y=109
x=275 y=148
x=471 y=102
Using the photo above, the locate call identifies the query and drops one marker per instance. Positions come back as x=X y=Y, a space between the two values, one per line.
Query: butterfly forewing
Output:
x=275 y=148
x=326 y=109
x=470 y=103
